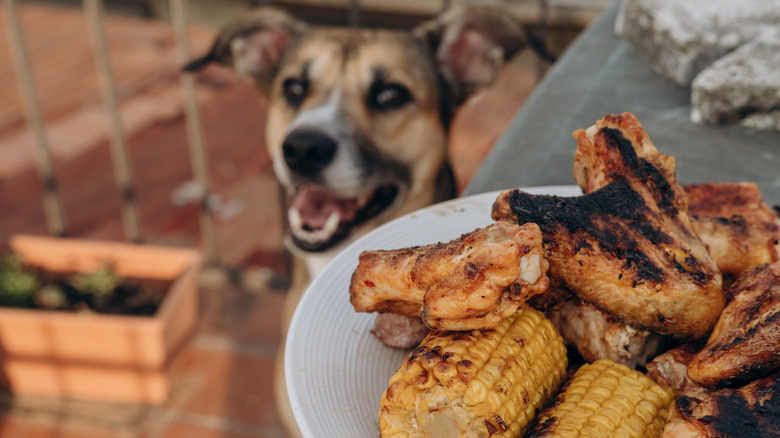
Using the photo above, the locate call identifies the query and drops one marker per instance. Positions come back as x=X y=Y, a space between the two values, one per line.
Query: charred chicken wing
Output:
x=739 y=230
x=745 y=343
x=627 y=247
x=751 y=411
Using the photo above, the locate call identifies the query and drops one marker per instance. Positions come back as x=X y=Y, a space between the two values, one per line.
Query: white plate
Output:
x=336 y=370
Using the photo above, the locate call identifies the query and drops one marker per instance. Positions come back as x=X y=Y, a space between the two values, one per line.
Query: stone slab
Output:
x=679 y=39
x=743 y=86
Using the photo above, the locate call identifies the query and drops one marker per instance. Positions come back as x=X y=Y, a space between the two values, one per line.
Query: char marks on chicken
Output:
x=627 y=246
x=745 y=343
x=738 y=228
x=751 y=411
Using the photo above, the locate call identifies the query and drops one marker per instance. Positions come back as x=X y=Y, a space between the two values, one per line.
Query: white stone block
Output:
x=742 y=86
x=680 y=38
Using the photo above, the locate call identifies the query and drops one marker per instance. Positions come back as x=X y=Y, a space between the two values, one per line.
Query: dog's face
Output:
x=358 y=119
x=355 y=131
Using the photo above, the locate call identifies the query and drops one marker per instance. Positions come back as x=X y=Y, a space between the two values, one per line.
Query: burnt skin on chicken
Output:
x=627 y=247
x=745 y=343
x=738 y=228
x=473 y=282
x=751 y=411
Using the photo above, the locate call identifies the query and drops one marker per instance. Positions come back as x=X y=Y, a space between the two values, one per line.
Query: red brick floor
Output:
x=222 y=381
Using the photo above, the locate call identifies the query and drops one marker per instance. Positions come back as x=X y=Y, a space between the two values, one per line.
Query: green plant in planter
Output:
x=17 y=284
x=98 y=286
x=101 y=291
x=51 y=296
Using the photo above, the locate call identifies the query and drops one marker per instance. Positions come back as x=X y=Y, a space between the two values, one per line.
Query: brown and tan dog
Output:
x=358 y=119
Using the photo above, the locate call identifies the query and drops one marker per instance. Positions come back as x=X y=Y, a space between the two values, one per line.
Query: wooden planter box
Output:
x=92 y=356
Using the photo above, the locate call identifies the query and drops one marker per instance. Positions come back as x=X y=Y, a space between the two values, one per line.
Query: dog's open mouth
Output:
x=320 y=218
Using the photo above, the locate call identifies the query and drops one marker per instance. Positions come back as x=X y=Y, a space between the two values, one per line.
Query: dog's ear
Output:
x=471 y=44
x=253 y=44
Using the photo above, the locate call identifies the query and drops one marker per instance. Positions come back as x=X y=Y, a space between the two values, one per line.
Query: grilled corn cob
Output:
x=482 y=383
x=606 y=399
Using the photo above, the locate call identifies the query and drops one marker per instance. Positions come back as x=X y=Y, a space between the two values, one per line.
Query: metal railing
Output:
x=56 y=221
x=51 y=201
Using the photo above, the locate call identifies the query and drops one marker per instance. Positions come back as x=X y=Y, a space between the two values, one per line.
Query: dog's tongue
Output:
x=315 y=205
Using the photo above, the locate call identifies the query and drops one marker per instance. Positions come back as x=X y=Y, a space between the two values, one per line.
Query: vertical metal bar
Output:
x=94 y=12
x=51 y=202
x=194 y=131
x=353 y=19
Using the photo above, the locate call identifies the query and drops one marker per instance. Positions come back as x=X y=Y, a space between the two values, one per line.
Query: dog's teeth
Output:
x=294 y=216
x=331 y=224
x=321 y=235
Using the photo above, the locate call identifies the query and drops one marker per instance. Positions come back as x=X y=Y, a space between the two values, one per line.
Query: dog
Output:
x=358 y=120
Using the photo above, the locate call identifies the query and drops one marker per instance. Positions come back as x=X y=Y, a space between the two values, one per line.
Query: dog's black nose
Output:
x=308 y=152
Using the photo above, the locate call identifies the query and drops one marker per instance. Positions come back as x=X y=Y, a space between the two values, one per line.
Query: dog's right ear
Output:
x=471 y=43
x=253 y=44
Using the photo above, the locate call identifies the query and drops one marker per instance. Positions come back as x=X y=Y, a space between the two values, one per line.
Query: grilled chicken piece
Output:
x=628 y=247
x=751 y=411
x=593 y=333
x=555 y=294
x=596 y=335
x=473 y=282
x=671 y=369
x=745 y=343
x=399 y=331
x=617 y=147
x=739 y=230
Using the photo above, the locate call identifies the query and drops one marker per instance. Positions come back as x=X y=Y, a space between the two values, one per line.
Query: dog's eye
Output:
x=389 y=96
x=294 y=91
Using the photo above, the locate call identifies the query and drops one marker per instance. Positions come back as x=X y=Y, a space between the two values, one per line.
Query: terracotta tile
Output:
x=229 y=385
x=263 y=320
x=243 y=316
x=24 y=428
x=179 y=430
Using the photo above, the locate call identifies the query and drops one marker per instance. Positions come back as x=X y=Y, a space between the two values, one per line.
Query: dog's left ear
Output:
x=253 y=44
x=471 y=45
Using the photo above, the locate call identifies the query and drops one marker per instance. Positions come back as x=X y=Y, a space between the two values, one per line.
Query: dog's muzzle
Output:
x=320 y=217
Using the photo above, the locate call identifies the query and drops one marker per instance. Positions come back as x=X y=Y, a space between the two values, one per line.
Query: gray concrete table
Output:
x=601 y=74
